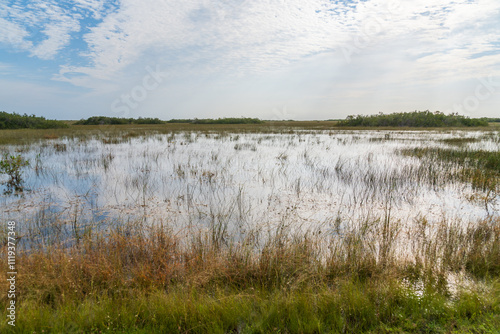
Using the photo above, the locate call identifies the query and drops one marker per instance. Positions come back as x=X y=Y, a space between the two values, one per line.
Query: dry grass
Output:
x=138 y=258
x=132 y=279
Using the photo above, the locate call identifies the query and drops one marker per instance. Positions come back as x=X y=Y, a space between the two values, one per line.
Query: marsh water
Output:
x=312 y=179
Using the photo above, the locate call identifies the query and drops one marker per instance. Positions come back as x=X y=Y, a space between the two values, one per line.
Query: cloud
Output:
x=43 y=28
x=242 y=36
x=13 y=34
x=366 y=44
x=253 y=36
x=97 y=8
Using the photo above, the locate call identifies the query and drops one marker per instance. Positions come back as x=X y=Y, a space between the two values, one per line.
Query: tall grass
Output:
x=152 y=279
x=479 y=168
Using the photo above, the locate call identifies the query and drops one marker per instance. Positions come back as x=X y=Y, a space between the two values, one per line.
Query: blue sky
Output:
x=272 y=59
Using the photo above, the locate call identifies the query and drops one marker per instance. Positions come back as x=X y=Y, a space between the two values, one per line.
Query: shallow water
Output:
x=309 y=178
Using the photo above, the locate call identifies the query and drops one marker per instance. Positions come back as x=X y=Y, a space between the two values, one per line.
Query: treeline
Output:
x=413 y=119
x=241 y=120
x=17 y=121
x=103 y=120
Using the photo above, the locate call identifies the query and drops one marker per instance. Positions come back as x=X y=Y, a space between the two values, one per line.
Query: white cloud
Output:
x=372 y=43
x=243 y=35
x=248 y=36
x=38 y=20
x=58 y=36
x=97 y=8
x=251 y=35
x=13 y=34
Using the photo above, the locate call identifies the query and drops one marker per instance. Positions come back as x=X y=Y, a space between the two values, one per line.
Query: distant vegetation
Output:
x=103 y=120
x=16 y=121
x=413 y=119
x=241 y=120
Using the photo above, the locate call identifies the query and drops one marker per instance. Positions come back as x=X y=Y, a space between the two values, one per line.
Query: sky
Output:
x=271 y=59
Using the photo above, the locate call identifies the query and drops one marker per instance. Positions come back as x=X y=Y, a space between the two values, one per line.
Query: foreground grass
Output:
x=349 y=307
x=204 y=282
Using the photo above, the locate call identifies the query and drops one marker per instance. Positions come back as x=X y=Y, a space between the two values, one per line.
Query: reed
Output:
x=139 y=279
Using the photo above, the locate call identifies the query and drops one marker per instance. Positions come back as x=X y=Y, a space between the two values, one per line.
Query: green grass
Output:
x=479 y=159
x=349 y=307
x=478 y=167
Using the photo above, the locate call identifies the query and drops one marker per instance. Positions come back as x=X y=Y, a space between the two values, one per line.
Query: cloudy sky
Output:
x=272 y=59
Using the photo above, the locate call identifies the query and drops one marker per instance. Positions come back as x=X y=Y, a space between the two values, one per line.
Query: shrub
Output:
x=104 y=120
x=231 y=120
x=16 y=121
x=413 y=119
x=12 y=165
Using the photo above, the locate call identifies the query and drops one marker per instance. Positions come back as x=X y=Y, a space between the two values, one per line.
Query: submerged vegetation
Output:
x=413 y=119
x=479 y=168
x=16 y=121
x=477 y=159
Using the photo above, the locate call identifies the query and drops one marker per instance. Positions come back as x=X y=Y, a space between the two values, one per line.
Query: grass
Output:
x=352 y=307
x=364 y=275
x=479 y=168
x=151 y=280
x=28 y=136
x=478 y=159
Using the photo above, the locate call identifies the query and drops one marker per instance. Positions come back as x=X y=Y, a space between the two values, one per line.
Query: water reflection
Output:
x=311 y=178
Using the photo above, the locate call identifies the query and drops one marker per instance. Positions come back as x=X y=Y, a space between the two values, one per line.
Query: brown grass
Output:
x=131 y=259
